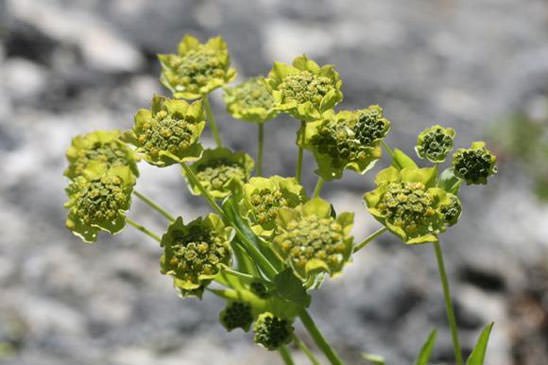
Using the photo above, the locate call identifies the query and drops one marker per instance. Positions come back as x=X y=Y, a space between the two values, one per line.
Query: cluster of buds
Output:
x=99 y=202
x=236 y=315
x=263 y=197
x=411 y=206
x=272 y=331
x=371 y=127
x=221 y=171
x=304 y=89
x=475 y=164
x=250 y=101
x=311 y=240
x=434 y=143
x=194 y=253
x=197 y=69
x=168 y=133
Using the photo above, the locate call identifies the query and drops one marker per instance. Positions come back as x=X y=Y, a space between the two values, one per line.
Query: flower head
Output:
x=236 y=315
x=272 y=331
x=474 y=164
x=311 y=240
x=410 y=206
x=195 y=252
x=197 y=69
x=435 y=143
x=99 y=147
x=168 y=133
x=250 y=101
x=99 y=202
x=220 y=171
x=263 y=197
x=346 y=140
x=304 y=89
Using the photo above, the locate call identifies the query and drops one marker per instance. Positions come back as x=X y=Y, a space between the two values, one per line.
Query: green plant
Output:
x=267 y=244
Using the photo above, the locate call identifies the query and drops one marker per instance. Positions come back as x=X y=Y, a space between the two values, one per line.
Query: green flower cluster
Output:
x=99 y=147
x=168 y=133
x=263 y=197
x=409 y=204
x=250 y=101
x=434 y=143
x=272 y=331
x=99 y=202
x=475 y=164
x=197 y=69
x=194 y=253
x=304 y=89
x=236 y=315
x=221 y=171
x=346 y=140
x=311 y=240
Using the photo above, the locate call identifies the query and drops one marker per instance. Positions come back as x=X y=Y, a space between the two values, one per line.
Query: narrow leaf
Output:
x=401 y=160
x=478 y=353
x=374 y=359
x=424 y=354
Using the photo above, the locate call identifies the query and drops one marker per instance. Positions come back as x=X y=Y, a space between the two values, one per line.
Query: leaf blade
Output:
x=426 y=349
x=477 y=357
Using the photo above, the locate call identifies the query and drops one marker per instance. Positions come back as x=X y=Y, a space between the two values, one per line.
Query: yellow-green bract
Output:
x=168 y=132
x=304 y=89
x=409 y=204
x=250 y=101
x=196 y=69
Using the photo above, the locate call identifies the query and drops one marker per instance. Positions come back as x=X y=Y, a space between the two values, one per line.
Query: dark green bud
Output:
x=236 y=315
x=272 y=332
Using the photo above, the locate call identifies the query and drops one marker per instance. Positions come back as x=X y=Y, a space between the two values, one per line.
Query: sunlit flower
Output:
x=434 y=143
x=250 y=101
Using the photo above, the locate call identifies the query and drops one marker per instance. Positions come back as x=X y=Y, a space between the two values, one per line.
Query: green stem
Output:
x=387 y=148
x=212 y=123
x=448 y=304
x=260 y=146
x=249 y=246
x=286 y=355
x=318 y=338
x=298 y=174
x=153 y=205
x=143 y=229
x=369 y=238
x=319 y=186
x=302 y=346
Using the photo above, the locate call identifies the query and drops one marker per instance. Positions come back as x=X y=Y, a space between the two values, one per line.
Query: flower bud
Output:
x=435 y=143
x=250 y=101
x=372 y=126
x=236 y=315
x=475 y=164
x=272 y=332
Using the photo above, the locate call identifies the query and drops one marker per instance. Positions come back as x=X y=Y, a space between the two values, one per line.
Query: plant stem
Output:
x=448 y=304
x=369 y=238
x=260 y=146
x=143 y=229
x=302 y=346
x=387 y=148
x=286 y=355
x=319 y=186
x=190 y=174
x=153 y=205
x=212 y=124
x=298 y=174
x=318 y=338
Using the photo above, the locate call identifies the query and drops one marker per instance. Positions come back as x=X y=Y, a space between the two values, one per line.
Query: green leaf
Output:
x=290 y=288
x=426 y=349
x=449 y=182
x=478 y=353
x=374 y=359
x=401 y=160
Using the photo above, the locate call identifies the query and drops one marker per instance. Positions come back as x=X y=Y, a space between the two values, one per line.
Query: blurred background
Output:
x=71 y=66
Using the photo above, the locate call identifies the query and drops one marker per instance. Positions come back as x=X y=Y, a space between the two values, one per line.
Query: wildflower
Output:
x=346 y=140
x=98 y=148
x=272 y=331
x=263 y=197
x=311 y=240
x=250 y=101
x=99 y=202
x=434 y=143
x=304 y=89
x=195 y=252
x=474 y=164
x=220 y=171
x=236 y=315
x=197 y=69
x=410 y=206
x=168 y=133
